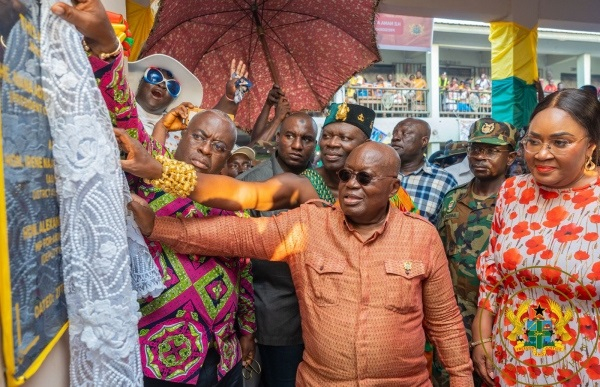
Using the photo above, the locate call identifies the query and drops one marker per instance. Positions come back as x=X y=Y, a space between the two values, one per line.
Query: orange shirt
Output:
x=363 y=304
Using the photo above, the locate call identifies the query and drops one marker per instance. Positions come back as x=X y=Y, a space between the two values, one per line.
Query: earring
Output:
x=590 y=165
x=2 y=41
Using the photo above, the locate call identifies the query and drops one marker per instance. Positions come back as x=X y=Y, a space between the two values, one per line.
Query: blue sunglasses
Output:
x=155 y=76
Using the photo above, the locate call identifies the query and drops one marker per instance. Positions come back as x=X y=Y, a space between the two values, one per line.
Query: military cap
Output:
x=453 y=148
x=360 y=116
x=490 y=131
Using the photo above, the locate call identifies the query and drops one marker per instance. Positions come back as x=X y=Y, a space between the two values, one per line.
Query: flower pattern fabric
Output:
x=316 y=46
x=540 y=277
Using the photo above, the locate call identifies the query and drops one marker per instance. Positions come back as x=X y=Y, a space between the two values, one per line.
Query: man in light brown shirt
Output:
x=370 y=279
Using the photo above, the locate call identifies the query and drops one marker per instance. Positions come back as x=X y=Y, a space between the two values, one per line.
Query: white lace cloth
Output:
x=102 y=306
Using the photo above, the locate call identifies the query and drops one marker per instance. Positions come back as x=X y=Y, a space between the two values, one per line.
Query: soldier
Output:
x=467 y=212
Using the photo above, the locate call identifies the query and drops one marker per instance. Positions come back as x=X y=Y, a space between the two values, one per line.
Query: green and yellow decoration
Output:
x=514 y=72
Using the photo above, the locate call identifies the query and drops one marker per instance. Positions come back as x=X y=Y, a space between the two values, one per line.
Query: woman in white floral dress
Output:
x=537 y=322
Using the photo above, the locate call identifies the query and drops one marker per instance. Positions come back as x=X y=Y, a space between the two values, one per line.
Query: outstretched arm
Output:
x=274 y=238
x=282 y=191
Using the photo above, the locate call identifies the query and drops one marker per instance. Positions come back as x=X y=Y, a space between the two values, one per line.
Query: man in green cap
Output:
x=467 y=212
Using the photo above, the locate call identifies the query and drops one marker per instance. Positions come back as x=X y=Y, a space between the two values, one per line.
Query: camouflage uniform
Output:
x=464 y=227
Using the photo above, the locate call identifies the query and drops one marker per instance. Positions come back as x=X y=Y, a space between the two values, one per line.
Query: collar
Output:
x=148 y=119
x=376 y=233
x=276 y=166
x=426 y=168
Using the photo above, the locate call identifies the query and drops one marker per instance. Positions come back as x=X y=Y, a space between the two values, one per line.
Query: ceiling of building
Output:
x=578 y=15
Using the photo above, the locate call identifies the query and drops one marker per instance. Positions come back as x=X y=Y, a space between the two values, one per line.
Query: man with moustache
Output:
x=278 y=334
x=365 y=304
x=467 y=213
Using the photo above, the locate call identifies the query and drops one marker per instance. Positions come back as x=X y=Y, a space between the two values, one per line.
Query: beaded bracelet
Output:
x=178 y=178
x=103 y=55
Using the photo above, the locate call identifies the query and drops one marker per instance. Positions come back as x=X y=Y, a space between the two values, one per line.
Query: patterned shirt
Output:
x=206 y=296
x=365 y=305
x=427 y=187
x=540 y=276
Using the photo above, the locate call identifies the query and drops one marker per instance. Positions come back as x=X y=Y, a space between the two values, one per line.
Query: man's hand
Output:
x=248 y=348
x=237 y=72
x=176 y=118
x=139 y=162
x=274 y=96
x=142 y=213
x=89 y=17
x=482 y=360
x=282 y=109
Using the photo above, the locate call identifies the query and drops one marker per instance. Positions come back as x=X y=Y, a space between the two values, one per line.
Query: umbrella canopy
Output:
x=308 y=47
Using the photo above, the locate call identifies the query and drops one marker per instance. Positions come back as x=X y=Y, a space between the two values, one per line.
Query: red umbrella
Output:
x=308 y=47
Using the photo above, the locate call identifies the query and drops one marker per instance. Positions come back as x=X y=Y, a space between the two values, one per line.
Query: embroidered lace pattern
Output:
x=102 y=306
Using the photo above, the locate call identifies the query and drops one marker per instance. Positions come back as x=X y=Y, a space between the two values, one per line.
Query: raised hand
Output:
x=176 y=118
x=282 y=109
x=274 y=95
x=89 y=17
x=237 y=71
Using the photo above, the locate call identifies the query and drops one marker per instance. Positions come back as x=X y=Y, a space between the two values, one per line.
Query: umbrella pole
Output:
x=263 y=41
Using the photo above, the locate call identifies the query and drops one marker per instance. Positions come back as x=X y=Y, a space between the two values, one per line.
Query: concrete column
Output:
x=434 y=76
x=584 y=70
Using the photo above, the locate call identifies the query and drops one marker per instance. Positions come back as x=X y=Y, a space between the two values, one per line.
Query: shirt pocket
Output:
x=403 y=285
x=324 y=276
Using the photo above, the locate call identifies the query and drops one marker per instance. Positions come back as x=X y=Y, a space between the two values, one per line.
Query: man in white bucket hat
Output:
x=163 y=84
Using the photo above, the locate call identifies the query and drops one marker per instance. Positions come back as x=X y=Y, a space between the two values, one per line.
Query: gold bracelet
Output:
x=473 y=344
x=178 y=178
x=103 y=55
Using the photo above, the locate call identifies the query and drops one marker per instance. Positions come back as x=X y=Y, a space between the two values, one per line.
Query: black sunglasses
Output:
x=363 y=178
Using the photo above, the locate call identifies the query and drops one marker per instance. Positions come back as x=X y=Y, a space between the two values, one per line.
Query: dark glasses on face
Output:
x=154 y=76
x=363 y=178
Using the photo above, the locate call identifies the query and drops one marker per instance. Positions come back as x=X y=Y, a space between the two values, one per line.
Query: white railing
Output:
x=466 y=103
x=412 y=102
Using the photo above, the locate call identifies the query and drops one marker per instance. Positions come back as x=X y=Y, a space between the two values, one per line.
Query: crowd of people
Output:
x=380 y=267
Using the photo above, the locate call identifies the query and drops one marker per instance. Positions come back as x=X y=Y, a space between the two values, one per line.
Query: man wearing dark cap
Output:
x=425 y=183
x=457 y=163
x=467 y=213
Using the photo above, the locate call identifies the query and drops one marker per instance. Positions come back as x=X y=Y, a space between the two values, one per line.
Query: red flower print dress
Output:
x=540 y=276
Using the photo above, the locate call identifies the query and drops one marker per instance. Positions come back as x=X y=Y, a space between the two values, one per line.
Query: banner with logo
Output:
x=32 y=301
x=407 y=33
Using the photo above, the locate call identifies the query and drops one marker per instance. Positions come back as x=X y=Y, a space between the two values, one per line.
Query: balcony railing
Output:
x=466 y=103
x=412 y=102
